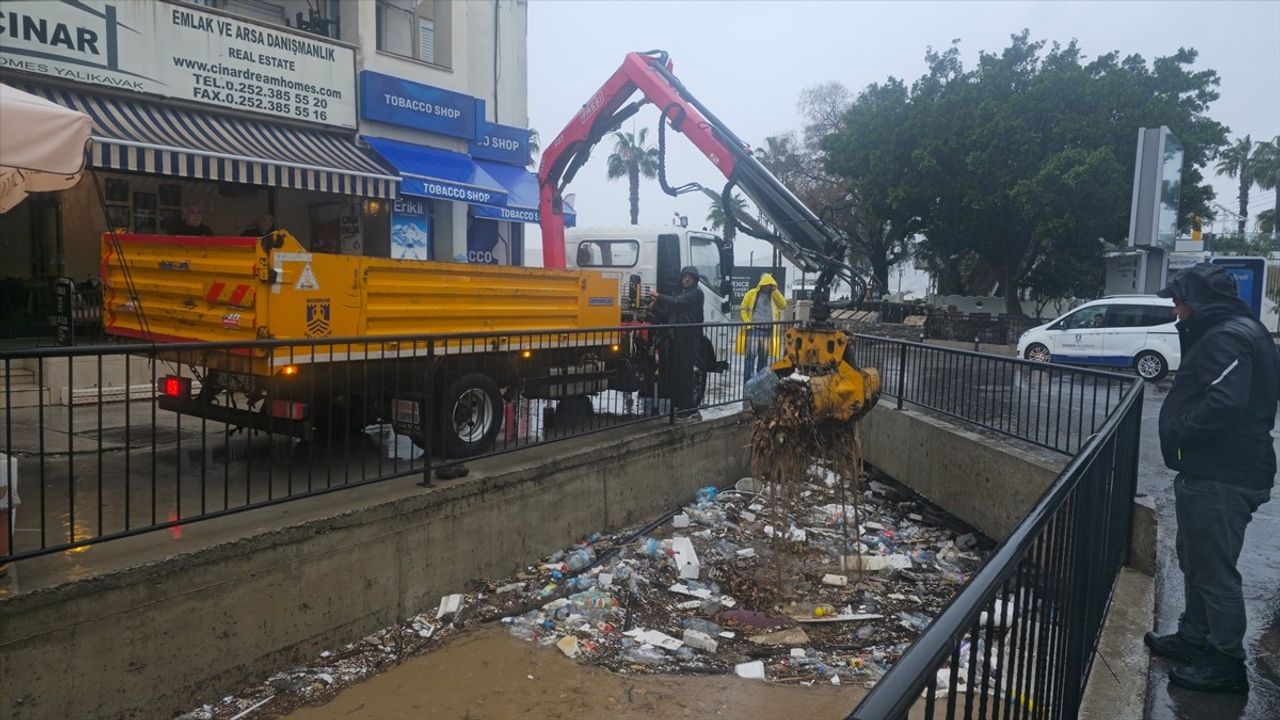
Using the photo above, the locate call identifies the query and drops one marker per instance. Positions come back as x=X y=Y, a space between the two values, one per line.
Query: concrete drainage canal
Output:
x=715 y=609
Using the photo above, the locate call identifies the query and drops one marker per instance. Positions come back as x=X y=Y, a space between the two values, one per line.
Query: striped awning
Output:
x=143 y=136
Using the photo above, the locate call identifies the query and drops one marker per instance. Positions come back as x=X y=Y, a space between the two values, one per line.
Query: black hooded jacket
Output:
x=685 y=306
x=1216 y=422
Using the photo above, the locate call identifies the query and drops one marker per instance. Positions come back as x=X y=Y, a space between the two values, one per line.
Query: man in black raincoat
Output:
x=681 y=349
x=1215 y=430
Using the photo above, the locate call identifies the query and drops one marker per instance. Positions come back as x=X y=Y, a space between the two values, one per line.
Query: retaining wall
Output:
x=155 y=640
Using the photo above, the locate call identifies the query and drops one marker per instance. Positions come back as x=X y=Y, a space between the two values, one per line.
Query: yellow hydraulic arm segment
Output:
x=841 y=390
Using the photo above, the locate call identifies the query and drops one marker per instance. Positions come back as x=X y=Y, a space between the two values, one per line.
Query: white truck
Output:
x=645 y=258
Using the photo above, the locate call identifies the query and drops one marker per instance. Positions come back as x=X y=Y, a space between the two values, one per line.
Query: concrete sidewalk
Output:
x=1260 y=567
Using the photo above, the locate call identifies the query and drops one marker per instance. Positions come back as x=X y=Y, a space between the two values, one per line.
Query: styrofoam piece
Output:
x=753 y=670
x=686 y=558
x=450 y=605
x=699 y=641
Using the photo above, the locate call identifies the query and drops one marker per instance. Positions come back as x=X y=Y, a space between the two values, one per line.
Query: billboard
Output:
x=411 y=228
x=181 y=52
x=1250 y=275
x=1157 y=190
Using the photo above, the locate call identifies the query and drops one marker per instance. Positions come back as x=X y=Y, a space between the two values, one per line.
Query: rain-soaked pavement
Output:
x=1259 y=565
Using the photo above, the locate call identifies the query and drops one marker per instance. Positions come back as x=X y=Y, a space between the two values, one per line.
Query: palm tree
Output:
x=779 y=156
x=1266 y=172
x=631 y=159
x=1234 y=162
x=716 y=218
x=535 y=148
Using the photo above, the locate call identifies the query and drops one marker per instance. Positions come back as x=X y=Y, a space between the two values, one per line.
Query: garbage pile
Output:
x=697 y=594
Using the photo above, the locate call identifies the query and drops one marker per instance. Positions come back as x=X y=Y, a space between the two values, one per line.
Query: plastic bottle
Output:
x=644 y=654
x=582 y=582
x=707 y=494
x=701 y=625
x=580 y=559
x=547 y=590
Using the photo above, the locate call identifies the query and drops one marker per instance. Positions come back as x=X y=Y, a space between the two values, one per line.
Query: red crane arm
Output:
x=802 y=238
x=602 y=114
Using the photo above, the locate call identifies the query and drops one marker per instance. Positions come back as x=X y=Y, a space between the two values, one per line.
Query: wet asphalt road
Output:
x=1259 y=565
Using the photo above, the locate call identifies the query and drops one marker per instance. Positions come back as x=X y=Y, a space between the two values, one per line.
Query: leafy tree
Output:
x=631 y=158
x=716 y=218
x=1234 y=162
x=1266 y=172
x=1024 y=161
x=871 y=209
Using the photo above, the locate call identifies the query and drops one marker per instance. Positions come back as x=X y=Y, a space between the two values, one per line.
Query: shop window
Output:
x=415 y=29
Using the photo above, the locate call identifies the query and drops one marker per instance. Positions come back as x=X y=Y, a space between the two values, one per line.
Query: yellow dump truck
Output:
x=345 y=334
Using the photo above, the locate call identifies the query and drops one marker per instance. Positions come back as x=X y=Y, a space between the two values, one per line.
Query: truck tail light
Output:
x=288 y=409
x=175 y=387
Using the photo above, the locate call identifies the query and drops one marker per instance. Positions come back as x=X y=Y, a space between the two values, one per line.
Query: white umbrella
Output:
x=42 y=146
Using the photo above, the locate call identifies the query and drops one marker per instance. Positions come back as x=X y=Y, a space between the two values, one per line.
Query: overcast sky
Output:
x=748 y=62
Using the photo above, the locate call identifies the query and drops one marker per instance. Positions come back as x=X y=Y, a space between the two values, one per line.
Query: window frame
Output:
x=1064 y=323
x=715 y=244
x=414 y=39
x=633 y=243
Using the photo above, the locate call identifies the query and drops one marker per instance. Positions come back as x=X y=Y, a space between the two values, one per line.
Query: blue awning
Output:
x=143 y=136
x=435 y=173
x=522 y=195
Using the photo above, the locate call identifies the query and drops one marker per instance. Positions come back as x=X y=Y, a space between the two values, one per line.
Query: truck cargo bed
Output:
x=175 y=289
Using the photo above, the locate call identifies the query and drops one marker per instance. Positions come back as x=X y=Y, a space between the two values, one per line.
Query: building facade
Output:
x=380 y=127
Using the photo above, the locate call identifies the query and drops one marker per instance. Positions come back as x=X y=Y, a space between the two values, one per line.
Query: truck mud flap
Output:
x=237 y=417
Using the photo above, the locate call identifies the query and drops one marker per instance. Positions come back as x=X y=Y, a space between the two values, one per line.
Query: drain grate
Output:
x=136 y=436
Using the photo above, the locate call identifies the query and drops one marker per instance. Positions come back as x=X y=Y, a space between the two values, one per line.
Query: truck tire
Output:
x=470 y=415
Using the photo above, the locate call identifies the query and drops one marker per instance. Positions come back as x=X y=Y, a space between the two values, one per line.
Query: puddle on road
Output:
x=486 y=675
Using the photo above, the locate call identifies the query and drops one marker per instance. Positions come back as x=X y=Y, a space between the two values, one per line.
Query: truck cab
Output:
x=652 y=257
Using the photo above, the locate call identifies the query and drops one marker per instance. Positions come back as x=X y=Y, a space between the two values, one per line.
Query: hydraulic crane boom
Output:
x=841 y=390
x=800 y=235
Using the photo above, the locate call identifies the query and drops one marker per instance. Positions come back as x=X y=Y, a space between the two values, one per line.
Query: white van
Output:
x=1121 y=331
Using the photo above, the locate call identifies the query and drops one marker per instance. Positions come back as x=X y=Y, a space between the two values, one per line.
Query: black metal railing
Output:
x=978 y=327
x=115 y=440
x=1054 y=406
x=1019 y=639
x=112 y=441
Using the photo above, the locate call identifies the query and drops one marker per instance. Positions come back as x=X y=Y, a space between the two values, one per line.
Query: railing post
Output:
x=902 y=372
x=428 y=414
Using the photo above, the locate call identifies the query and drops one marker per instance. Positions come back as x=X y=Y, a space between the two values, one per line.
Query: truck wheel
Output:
x=470 y=415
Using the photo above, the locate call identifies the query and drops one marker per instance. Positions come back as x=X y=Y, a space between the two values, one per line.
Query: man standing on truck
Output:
x=762 y=306
x=1215 y=430
x=680 y=349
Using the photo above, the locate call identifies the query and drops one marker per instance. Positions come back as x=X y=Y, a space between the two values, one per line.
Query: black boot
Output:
x=1174 y=646
x=1212 y=672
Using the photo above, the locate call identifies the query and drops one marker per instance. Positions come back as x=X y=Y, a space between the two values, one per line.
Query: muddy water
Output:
x=489 y=674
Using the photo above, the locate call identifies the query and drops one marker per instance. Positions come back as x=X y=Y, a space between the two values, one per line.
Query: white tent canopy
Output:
x=42 y=146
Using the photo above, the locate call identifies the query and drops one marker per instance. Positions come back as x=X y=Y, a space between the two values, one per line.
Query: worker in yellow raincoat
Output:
x=759 y=341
